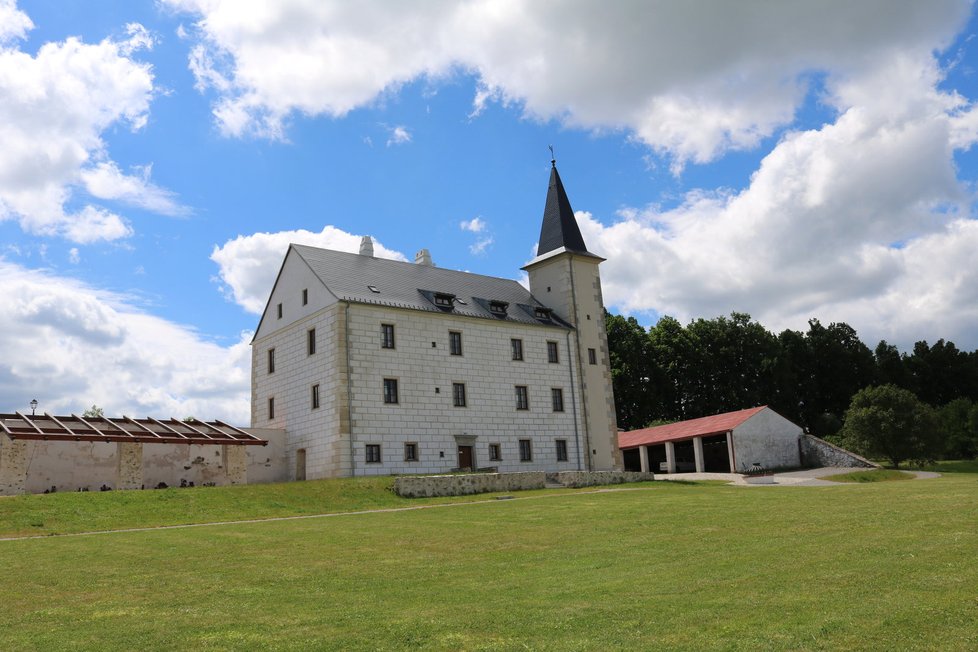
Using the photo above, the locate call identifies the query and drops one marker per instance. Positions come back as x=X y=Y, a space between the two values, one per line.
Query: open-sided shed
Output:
x=723 y=443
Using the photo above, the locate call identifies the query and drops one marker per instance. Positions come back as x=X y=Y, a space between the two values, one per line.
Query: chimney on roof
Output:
x=366 y=246
x=423 y=257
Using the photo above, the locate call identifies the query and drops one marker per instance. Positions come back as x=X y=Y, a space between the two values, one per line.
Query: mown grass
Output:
x=672 y=566
x=953 y=466
x=874 y=475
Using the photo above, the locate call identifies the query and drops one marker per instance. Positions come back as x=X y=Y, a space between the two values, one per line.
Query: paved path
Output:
x=803 y=478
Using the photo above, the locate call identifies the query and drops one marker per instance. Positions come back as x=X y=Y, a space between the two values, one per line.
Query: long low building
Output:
x=723 y=443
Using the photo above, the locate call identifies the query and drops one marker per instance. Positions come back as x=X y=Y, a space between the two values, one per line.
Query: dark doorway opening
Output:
x=685 y=457
x=716 y=458
x=631 y=459
x=465 y=458
x=657 y=458
x=300 y=464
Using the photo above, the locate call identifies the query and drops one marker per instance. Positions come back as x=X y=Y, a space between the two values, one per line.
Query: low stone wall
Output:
x=427 y=486
x=817 y=452
x=592 y=478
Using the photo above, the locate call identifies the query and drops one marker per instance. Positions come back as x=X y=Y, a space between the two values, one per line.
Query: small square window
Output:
x=552 y=355
x=311 y=341
x=411 y=452
x=315 y=397
x=455 y=343
x=305 y=297
x=279 y=309
x=557 y=395
x=517 y=346
x=390 y=390
x=271 y=361
x=373 y=453
x=526 y=450
x=495 y=454
x=522 y=398
x=271 y=408
x=387 y=336
x=458 y=394
x=498 y=308
x=561 y=450
x=592 y=356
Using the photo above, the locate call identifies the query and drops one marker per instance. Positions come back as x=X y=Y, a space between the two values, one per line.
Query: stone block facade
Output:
x=431 y=486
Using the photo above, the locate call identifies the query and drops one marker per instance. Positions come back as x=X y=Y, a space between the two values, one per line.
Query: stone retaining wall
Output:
x=425 y=486
x=817 y=452
x=592 y=478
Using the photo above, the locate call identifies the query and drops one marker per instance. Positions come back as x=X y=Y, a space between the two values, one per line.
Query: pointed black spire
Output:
x=559 y=226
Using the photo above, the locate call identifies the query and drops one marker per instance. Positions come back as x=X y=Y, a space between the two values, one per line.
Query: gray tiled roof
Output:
x=408 y=285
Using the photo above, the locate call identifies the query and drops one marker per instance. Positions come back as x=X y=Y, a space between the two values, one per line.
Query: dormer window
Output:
x=542 y=313
x=498 y=308
x=443 y=300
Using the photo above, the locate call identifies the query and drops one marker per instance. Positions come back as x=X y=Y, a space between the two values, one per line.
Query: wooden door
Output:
x=465 y=457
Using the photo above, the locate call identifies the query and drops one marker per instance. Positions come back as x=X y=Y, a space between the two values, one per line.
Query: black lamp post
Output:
x=33 y=406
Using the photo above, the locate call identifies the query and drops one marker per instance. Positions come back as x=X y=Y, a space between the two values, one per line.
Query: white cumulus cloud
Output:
x=475 y=225
x=70 y=345
x=54 y=107
x=248 y=264
x=687 y=79
x=399 y=135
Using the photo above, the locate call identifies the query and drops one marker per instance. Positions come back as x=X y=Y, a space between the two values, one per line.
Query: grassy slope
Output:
x=85 y=512
x=880 y=566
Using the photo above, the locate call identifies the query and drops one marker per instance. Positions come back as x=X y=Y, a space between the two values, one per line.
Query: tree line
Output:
x=672 y=372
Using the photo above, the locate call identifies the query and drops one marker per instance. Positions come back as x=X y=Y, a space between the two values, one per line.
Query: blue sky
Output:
x=793 y=161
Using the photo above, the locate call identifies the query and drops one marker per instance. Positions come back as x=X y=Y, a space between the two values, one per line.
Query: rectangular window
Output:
x=458 y=394
x=305 y=297
x=592 y=356
x=279 y=311
x=271 y=361
x=387 y=336
x=517 y=346
x=552 y=352
x=411 y=451
x=455 y=342
x=373 y=453
x=522 y=398
x=315 y=397
x=494 y=453
x=271 y=408
x=390 y=390
x=557 y=395
x=561 y=450
x=526 y=450
x=311 y=341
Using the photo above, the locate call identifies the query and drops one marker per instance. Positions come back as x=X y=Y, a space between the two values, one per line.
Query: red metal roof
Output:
x=715 y=425
x=126 y=429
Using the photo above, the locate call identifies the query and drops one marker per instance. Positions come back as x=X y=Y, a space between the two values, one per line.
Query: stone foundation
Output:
x=590 y=479
x=817 y=452
x=425 y=486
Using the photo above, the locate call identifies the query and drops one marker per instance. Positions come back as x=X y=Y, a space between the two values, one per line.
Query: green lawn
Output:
x=882 y=566
x=953 y=466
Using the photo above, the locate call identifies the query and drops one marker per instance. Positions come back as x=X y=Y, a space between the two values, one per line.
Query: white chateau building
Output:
x=374 y=366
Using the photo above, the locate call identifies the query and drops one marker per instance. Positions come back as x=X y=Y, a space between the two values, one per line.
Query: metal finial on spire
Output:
x=553 y=159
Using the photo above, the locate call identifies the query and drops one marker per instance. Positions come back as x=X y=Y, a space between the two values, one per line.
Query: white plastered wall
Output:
x=768 y=439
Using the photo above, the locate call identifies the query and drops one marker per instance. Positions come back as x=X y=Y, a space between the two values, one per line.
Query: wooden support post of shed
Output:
x=643 y=456
x=129 y=473
x=235 y=464
x=670 y=457
x=698 y=454
x=13 y=466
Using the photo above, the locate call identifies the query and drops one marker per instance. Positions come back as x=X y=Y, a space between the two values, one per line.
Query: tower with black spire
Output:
x=564 y=276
